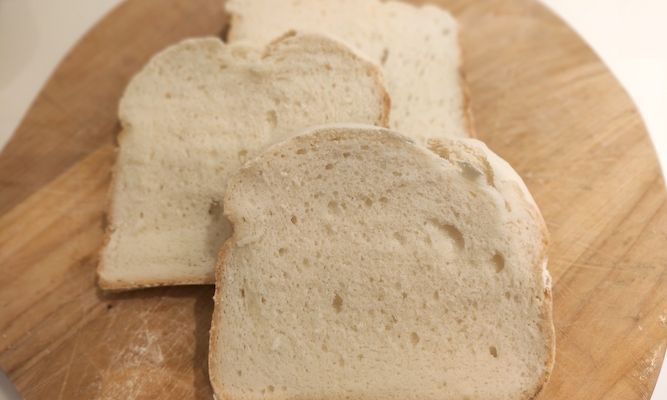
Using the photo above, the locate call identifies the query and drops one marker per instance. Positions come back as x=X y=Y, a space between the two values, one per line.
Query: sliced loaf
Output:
x=363 y=266
x=190 y=118
x=417 y=47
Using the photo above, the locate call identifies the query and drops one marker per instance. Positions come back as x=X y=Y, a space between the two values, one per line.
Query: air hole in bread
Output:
x=306 y=262
x=167 y=95
x=499 y=262
x=215 y=209
x=301 y=151
x=272 y=118
x=294 y=219
x=414 y=338
x=447 y=231
x=493 y=351
x=337 y=303
x=436 y=295
x=333 y=207
x=469 y=172
x=328 y=166
x=384 y=200
x=384 y=56
x=399 y=238
x=367 y=201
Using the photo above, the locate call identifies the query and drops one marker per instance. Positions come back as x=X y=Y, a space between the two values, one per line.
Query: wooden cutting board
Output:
x=541 y=99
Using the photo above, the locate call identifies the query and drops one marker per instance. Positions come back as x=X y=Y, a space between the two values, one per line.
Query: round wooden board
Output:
x=541 y=99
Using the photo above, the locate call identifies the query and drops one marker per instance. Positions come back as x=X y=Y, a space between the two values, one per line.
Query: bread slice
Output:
x=363 y=266
x=190 y=118
x=417 y=46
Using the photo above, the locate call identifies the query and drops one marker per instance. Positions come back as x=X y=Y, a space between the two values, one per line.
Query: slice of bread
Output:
x=417 y=47
x=363 y=266
x=190 y=118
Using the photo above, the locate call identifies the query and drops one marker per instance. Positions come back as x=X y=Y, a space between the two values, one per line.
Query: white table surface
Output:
x=629 y=35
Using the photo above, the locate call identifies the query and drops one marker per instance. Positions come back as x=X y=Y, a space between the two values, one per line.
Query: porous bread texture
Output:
x=190 y=118
x=365 y=266
x=417 y=47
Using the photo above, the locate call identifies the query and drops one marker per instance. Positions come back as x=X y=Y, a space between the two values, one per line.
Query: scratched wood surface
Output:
x=541 y=99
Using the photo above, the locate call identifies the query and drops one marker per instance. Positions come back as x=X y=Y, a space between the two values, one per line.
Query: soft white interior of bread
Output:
x=363 y=266
x=190 y=118
x=417 y=48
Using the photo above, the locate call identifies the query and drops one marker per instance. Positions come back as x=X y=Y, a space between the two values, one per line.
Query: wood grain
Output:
x=541 y=99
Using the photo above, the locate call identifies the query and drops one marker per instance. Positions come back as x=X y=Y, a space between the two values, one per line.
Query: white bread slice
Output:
x=417 y=46
x=363 y=266
x=190 y=118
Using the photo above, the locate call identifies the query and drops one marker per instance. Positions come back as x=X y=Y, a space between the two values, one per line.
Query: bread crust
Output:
x=468 y=115
x=218 y=388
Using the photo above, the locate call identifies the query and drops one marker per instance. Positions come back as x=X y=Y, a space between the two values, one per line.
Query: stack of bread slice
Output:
x=350 y=260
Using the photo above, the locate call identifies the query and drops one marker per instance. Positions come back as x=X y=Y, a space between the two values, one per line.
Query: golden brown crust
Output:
x=467 y=105
x=213 y=332
x=118 y=285
x=231 y=24
x=383 y=120
x=108 y=215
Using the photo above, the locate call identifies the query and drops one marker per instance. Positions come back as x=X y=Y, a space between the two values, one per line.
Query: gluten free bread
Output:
x=190 y=118
x=417 y=48
x=364 y=266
